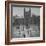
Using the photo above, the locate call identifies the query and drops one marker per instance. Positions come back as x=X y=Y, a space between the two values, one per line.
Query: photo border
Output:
x=7 y=26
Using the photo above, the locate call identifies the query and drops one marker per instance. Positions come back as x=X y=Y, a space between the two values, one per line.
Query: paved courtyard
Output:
x=22 y=32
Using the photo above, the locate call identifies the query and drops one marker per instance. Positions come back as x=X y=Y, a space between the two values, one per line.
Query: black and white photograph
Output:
x=25 y=22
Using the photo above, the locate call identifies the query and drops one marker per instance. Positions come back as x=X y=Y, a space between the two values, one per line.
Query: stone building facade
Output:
x=23 y=26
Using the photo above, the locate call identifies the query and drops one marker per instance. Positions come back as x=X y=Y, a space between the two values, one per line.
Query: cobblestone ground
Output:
x=33 y=31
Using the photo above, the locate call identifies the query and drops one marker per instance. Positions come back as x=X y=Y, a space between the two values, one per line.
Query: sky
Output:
x=20 y=11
